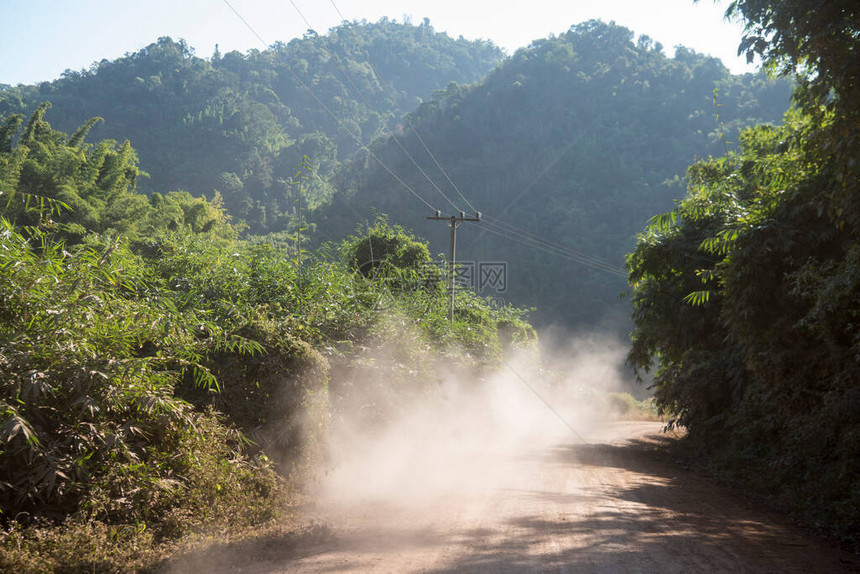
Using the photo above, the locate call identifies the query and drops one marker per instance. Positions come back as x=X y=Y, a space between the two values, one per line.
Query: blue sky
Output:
x=42 y=38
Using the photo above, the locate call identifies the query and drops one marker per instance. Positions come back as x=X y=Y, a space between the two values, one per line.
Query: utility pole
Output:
x=453 y=222
x=299 y=179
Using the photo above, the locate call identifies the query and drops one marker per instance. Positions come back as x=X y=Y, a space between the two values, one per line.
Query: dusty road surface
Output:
x=607 y=506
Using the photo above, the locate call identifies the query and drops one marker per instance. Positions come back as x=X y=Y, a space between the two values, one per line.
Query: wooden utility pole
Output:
x=453 y=222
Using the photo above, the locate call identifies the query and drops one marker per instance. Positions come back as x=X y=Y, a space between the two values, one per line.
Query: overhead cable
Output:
x=572 y=256
x=552 y=245
x=360 y=94
x=408 y=122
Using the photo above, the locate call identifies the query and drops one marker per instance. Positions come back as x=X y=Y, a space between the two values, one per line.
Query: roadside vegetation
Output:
x=162 y=380
x=167 y=378
x=747 y=294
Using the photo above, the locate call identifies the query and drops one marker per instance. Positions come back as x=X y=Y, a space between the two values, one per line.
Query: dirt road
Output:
x=607 y=506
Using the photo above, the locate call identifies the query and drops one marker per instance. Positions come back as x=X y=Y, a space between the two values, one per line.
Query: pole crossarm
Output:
x=454 y=218
x=454 y=221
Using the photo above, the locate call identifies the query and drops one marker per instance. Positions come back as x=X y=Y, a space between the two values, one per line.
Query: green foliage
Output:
x=92 y=353
x=626 y=406
x=819 y=42
x=573 y=138
x=159 y=376
x=61 y=183
x=244 y=118
x=216 y=494
x=129 y=376
x=762 y=364
x=578 y=139
x=374 y=249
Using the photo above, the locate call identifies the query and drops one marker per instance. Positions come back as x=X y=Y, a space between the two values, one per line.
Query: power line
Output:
x=405 y=117
x=339 y=13
x=453 y=222
x=251 y=28
x=511 y=232
x=302 y=16
x=545 y=171
x=576 y=256
x=556 y=246
x=572 y=256
x=559 y=254
x=424 y=173
x=530 y=237
x=438 y=165
x=388 y=131
x=615 y=272
x=364 y=147
x=370 y=106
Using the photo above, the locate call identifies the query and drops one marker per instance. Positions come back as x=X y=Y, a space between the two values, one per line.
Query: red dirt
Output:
x=611 y=505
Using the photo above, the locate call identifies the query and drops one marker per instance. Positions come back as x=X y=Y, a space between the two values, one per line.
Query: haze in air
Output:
x=233 y=335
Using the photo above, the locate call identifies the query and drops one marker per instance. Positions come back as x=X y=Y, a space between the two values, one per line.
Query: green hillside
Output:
x=241 y=123
x=580 y=139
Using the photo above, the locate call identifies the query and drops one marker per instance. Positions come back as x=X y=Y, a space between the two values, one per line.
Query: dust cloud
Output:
x=459 y=436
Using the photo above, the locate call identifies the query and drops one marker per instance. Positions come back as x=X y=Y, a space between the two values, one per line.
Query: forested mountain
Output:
x=580 y=139
x=241 y=123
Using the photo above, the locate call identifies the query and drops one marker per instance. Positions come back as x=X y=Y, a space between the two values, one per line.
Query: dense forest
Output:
x=241 y=123
x=747 y=294
x=578 y=140
x=200 y=253
x=161 y=377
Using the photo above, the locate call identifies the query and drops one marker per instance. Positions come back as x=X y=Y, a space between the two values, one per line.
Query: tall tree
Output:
x=55 y=181
x=819 y=41
x=747 y=295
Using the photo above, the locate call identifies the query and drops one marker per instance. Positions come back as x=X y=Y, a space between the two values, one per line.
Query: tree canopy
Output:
x=746 y=296
x=578 y=139
x=240 y=123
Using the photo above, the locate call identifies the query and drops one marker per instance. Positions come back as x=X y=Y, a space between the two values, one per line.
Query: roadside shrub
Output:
x=373 y=248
